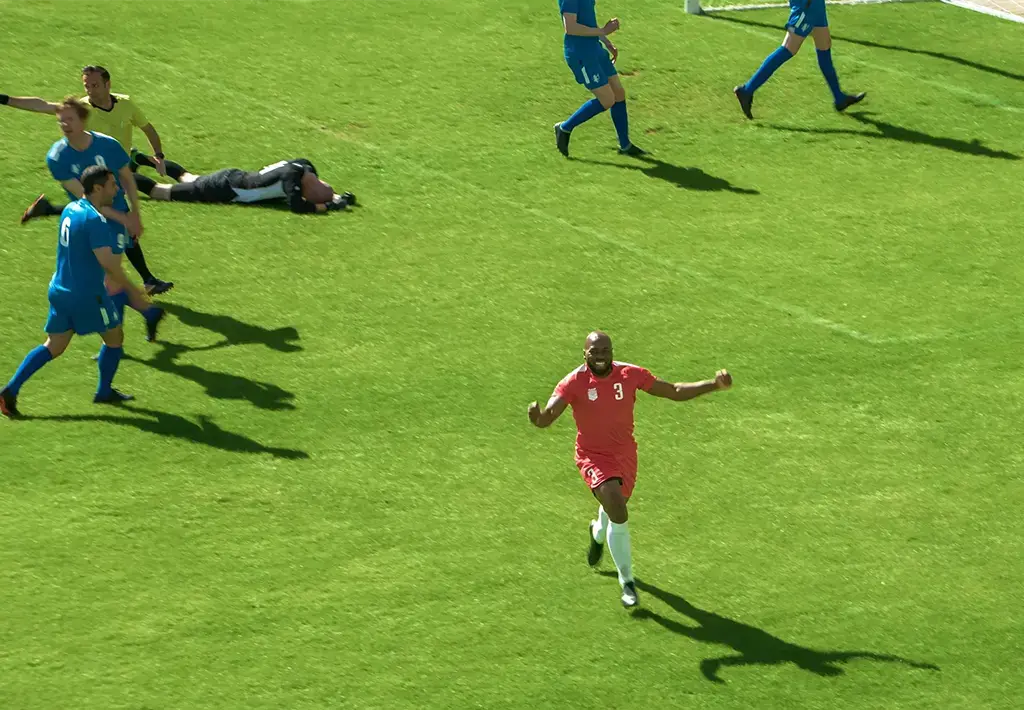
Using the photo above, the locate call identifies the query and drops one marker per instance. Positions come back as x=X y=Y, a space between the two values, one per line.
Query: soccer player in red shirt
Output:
x=602 y=393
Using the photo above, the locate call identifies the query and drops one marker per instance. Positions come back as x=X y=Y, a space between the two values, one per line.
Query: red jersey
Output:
x=603 y=408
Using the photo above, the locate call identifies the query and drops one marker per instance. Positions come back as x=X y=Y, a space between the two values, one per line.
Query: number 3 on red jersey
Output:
x=618 y=390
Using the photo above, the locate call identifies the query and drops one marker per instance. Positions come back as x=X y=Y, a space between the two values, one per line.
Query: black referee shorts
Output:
x=215 y=187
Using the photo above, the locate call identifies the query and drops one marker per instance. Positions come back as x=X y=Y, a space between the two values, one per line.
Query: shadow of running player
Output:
x=202 y=431
x=682 y=177
x=219 y=385
x=753 y=646
x=890 y=131
x=234 y=331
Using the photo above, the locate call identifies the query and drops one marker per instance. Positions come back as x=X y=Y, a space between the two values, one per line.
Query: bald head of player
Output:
x=598 y=353
x=316 y=190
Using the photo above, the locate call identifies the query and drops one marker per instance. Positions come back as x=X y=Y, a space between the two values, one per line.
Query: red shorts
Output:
x=595 y=470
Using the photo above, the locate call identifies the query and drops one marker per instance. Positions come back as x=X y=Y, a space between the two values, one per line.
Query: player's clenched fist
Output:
x=723 y=380
x=534 y=412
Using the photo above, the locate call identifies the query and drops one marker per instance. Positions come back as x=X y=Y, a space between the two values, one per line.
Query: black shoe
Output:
x=41 y=207
x=350 y=199
x=153 y=324
x=629 y=595
x=155 y=287
x=596 y=548
x=633 y=150
x=562 y=140
x=114 y=397
x=9 y=404
x=746 y=101
x=849 y=100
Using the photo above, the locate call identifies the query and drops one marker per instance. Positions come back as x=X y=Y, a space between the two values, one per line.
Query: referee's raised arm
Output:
x=28 y=103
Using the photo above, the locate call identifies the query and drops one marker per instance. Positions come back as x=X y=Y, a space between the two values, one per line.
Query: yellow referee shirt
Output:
x=118 y=121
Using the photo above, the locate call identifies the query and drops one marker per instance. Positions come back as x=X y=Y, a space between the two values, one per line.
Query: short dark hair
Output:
x=94 y=176
x=96 y=69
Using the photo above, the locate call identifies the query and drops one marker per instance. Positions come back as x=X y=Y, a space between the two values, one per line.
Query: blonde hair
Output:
x=77 y=106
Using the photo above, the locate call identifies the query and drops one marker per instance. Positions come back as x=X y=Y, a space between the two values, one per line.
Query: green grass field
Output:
x=328 y=495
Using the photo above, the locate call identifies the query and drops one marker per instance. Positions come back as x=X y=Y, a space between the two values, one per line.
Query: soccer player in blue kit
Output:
x=595 y=69
x=89 y=256
x=806 y=17
x=75 y=152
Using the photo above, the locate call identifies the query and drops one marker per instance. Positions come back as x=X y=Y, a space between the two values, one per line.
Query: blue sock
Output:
x=108 y=361
x=771 y=63
x=621 y=120
x=29 y=366
x=829 y=72
x=583 y=114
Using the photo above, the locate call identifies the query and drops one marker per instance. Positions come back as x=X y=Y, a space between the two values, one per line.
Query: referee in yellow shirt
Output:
x=115 y=115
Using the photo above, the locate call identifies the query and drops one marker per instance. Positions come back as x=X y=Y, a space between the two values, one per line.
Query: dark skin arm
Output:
x=543 y=418
x=682 y=391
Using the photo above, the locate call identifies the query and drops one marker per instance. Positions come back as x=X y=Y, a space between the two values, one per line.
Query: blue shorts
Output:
x=96 y=314
x=805 y=15
x=591 y=67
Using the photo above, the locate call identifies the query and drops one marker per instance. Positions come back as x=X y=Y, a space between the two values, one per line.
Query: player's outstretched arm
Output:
x=28 y=103
x=682 y=391
x=542 y=418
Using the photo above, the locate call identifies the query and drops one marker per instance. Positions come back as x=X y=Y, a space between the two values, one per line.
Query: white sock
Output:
x=599 y=528
x=618 y=545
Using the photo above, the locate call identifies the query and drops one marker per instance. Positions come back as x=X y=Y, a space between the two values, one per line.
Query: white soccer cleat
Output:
x=629 y=596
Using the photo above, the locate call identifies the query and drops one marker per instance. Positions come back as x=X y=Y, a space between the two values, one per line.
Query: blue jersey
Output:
x=79 y=275
x=585 y=15
x=66 y=163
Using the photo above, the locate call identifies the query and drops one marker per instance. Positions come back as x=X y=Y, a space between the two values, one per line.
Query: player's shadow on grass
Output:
x=890 y=131
x=234 y=331
x=219 y=385
x=686 y=178
x=202 y=431
x=894 y=47
x=753 y=646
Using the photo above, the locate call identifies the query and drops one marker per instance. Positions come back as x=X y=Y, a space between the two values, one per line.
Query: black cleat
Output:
x=9 y=404
x=629 y=596
x=41 y=207
x=633 y=150
x=153 y=323
x=746 y=101
x=562 y=140
x=114 y=397
x=350 y=199
x=155 y=287
x=596 y=548
x=849 y=100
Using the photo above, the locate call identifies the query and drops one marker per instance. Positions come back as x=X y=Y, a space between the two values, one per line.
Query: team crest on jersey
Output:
x=592 y=394
x=76 y=169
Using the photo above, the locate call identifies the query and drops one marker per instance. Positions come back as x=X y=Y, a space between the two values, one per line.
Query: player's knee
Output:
x=607 y=99
x=114 y=338
x=619 y=94
x=793 y=42
x=56 y=347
